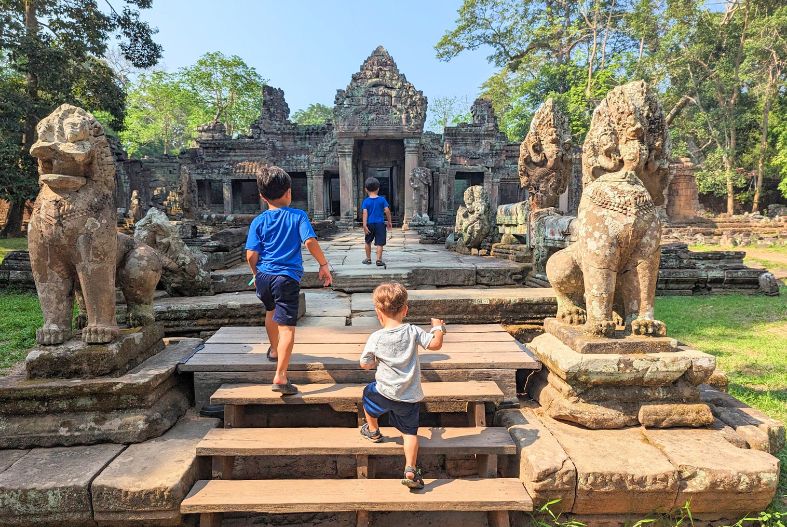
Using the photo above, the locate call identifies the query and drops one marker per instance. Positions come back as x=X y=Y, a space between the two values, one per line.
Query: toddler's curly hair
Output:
x=390 y=298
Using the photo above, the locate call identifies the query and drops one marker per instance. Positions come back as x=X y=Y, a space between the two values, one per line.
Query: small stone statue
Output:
x=474 y=223
x=420 y=181
x=626 y=173
x=135 y=211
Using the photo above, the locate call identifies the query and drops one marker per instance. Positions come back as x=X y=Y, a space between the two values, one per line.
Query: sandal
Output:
x=374 y=437
x=417 y=482
x=367 y=261
x=380 y=263
x=285 y=389
x=270 y=358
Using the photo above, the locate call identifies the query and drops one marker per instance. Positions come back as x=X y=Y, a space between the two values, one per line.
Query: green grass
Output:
x=21 y=317
x=748 y=336
x=11 y=244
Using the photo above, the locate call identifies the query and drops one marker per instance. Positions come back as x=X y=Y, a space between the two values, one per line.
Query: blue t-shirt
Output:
x=276 y=235
x=375 y=209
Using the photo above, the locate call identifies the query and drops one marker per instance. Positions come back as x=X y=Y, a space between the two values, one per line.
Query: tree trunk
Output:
x=766 y=110
x=13 y=226
x=729 y=165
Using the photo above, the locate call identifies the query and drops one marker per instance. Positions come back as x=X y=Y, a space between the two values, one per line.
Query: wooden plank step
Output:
x=353 y=349
x=246 y=394
x=346 y=495
x=347 y=441
x=438 y=360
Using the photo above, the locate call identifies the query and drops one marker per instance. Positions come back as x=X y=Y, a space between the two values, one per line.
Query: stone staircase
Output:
x=458 y=408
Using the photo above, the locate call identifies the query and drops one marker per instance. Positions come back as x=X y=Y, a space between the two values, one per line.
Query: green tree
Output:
x=162 y=115
x=447 y=111
x=228 y=88
x=50 y=53
x=315 y=113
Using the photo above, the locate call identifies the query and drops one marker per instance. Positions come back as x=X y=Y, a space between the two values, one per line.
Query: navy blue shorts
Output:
x=402 y=416
x=280 y=294
x=377 y=233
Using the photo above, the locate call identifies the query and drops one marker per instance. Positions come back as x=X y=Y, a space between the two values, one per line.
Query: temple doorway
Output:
x=384 y=160
x=331 y=194
x=463 y=180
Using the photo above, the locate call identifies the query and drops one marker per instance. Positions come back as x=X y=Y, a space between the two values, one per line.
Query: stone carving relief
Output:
x=379 y=97
x=616 y=255
x=185 y=272
x=545 y=157
x=421 y=181
x=474 y=222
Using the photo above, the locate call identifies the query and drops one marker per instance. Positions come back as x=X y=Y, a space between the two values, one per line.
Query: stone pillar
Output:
x=491 y=185
x=227 y=191
x=317 y=194
x=412 y=154
x=682 y=194
x=347 y=208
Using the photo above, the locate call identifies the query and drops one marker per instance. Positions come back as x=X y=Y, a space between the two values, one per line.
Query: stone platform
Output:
x=107 y=485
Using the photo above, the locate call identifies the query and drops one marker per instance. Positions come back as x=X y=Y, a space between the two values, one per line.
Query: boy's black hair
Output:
x=372 y=184
x=273 y=182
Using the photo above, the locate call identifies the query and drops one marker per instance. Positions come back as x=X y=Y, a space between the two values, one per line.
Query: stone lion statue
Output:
x=474 y=222
x=545 y=157
x=616 y=255
x=74 y=246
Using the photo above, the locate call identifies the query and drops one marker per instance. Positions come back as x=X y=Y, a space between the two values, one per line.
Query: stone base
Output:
x=103 y=485
x=636 y=470
x=131 y=408
x=76 y=359
x=615 y=390
x=575 y=338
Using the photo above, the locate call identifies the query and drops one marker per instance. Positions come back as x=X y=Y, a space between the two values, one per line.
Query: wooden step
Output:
x=347 y=441
x=212 y=498
x=347 y=397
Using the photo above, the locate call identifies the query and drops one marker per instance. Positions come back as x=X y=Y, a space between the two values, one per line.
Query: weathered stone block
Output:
x=714 y=475
x=596 y=415
x=541 y=463
x=51 y=486
x=76 y=358
x=575 y=338
x=668 y=415
x=147 y=482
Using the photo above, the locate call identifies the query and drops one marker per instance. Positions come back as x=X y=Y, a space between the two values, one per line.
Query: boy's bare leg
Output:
x=371 y=421
x=272 y=329
x=368 y=248
x=284 y=348
x=410 y=451
x=379 y=253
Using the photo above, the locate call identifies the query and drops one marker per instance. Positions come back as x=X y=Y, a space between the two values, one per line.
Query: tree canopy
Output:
x=315 y=113
x=720 y=73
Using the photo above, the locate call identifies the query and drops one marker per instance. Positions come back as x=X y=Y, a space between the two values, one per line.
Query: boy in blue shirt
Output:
x=376 y=214
x=273 y=251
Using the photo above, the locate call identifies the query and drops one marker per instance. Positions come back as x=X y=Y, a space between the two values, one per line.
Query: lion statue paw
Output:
x=653 y=328
x=94 y=334
x=571 y=315
x=600 y=328
x=52 y=335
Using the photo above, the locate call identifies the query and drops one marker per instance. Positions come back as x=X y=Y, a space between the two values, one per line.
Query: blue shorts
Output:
x=402 y=416
x=280 y=294
x=377 y=233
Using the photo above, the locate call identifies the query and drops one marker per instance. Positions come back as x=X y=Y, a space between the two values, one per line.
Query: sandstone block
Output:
x=9 y=457
x=75 y=358
x=51 y=486
x=575 y=338
x=680 y=391
x=541 y=463
x=148 y=480
x=714 y=475
x=668 y=415
x=596 y=415
x=618 y=471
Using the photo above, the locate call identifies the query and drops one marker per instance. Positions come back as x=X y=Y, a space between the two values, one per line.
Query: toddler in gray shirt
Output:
x=396 y=390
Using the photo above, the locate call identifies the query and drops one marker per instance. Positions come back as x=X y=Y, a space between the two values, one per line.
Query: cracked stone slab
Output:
x=147 y=481
x=540 y=462
x=714 y=475
x=51 y=486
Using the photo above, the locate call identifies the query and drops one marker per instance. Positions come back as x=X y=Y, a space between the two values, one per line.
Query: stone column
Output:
x=317 y=194
x=412 y=154
x=344 y=148
x=227 y=191
x=491 y=185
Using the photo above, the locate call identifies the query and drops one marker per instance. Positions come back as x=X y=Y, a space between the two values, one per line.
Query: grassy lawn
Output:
x=11 y=244
x=748 y=336
x=21 y=317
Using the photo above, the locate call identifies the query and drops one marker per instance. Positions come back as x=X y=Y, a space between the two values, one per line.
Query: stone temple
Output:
x=377 y=130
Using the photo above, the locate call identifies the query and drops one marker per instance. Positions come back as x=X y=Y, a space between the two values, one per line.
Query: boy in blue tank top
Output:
x=376 y=215
x=273 y=251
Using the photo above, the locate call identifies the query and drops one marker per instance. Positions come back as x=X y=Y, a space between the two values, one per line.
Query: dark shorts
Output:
x=377 y=233
x=280 y=294
x=402 y=416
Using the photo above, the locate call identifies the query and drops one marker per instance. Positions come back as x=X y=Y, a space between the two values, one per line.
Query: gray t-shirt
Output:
x=398 y=369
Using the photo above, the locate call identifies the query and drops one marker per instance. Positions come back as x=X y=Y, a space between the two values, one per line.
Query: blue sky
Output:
x=310 y=48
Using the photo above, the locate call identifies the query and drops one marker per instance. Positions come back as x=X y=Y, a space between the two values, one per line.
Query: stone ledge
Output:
x=575 y=338
x=147 y=481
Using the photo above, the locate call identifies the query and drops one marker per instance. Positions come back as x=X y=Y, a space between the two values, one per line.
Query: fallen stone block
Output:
x=147 y=481
x=51 y=486
x=669 y=415
x=540 y=461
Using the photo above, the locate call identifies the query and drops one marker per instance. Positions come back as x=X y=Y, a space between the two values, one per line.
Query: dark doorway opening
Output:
x=331 y=194
x=463 y=180
x=300 y=191
x=210 y=194
x=384 y=160
x=245 y=196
